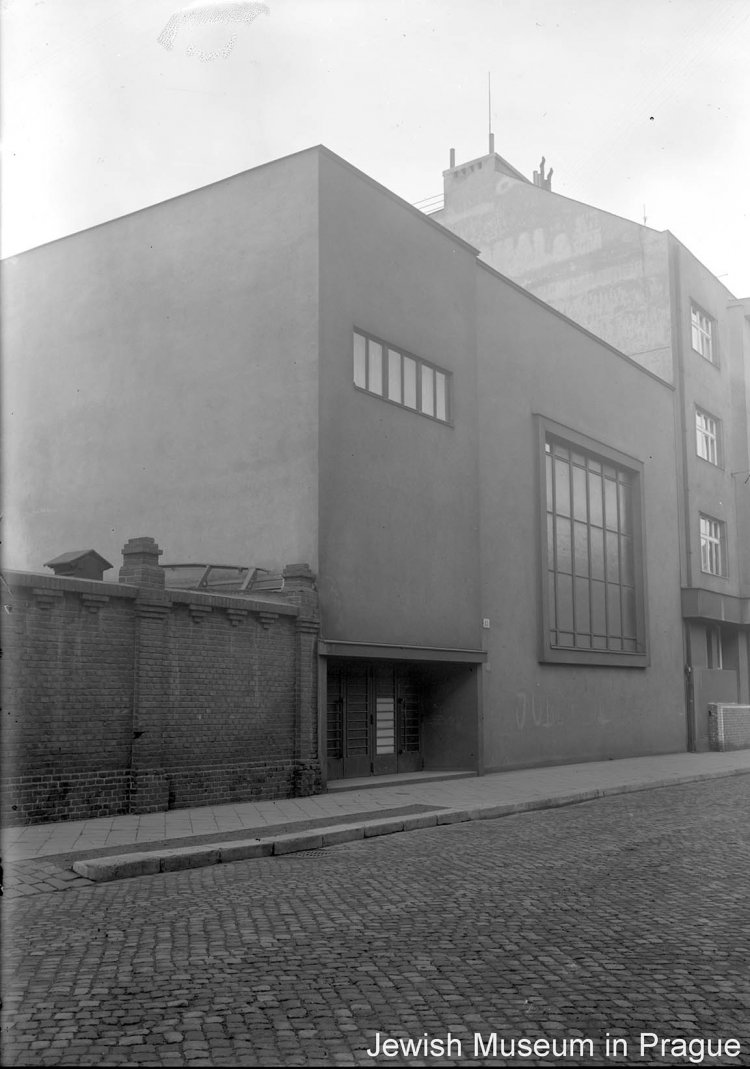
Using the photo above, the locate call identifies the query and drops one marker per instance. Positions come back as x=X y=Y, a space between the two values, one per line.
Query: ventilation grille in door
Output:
x=335 y=716
x=356 y=716
x=409 y=710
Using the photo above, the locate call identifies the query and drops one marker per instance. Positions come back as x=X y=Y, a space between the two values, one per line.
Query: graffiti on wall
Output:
x=536 y=710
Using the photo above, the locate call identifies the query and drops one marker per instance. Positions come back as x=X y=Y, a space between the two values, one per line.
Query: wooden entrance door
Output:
x=373 y=720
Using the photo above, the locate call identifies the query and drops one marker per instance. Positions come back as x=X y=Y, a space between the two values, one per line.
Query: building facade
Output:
x=296 y=365
x=645 y=293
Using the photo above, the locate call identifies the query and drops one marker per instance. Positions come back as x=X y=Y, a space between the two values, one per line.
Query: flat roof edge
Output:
x=160 y=203
x=490 y=156
x=319 y=150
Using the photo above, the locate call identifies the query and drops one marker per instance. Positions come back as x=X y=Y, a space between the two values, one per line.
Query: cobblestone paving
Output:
x=37 y=876
x=627 y=915
x=53 y=871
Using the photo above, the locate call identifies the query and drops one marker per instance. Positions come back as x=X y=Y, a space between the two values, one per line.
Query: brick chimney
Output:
x=140 y=563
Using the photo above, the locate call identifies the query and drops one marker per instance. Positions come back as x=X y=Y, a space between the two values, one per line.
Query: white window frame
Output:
x=713 y=546
x=707 y=437
x=702 y=333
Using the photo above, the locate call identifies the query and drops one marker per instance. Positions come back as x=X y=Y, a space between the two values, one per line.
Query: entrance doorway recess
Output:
x=374 y=720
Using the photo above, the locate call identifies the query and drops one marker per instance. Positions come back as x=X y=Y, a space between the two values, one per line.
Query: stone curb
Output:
x=147 y=863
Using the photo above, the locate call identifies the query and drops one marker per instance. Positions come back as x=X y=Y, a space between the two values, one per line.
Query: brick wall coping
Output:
x=193 y=597
x=41 y=581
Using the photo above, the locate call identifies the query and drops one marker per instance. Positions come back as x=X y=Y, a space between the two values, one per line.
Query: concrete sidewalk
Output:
x=116 y=847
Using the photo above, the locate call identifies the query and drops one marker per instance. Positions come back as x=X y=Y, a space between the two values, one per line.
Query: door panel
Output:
x=408 y=699
x=335 y=723
x=356 y=724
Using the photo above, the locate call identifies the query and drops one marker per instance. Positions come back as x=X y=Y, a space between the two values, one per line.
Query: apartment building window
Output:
x=714 y=651
x=401 y=378
x=713 y=546
x=702 y=328
x=592 y=552
x=707 y=441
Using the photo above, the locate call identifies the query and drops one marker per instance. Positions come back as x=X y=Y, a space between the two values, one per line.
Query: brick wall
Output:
x=125 y=697
x=729 y=727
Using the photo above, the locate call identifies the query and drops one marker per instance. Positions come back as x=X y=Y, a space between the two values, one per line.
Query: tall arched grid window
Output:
x=592 y=552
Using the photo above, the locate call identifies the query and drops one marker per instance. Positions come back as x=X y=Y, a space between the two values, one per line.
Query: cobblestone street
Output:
x=626 y=915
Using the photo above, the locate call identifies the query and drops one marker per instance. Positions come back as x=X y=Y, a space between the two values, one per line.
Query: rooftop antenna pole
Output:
x=489 y=112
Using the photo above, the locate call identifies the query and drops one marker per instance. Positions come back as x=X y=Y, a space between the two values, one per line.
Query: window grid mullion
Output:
x=571 y=535
x=555 y=571
x=605 y=557
x=588 y=540
x=618 y=484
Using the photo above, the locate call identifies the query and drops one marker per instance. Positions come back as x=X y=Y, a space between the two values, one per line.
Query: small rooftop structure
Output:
x=80 y=564
x=544 y=181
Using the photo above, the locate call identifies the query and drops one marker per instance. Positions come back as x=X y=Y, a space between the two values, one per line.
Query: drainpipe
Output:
x=684 y=537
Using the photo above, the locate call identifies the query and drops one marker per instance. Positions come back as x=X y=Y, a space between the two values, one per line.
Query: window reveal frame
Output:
x=423 y=369
x=706 y=435
x=714 y=541
x=703 y=326
x=557 y=654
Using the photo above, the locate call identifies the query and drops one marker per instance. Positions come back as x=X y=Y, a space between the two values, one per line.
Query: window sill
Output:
x=403 y=407
x=711 y=464
x=594 y=658
x=707 y=359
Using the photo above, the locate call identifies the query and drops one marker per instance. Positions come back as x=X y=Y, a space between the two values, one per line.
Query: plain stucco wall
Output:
x=161 y=379
x=398 y=491
x=533 y=362
x=450 y=728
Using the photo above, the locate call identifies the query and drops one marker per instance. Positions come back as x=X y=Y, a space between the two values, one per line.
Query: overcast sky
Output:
x=633 y=102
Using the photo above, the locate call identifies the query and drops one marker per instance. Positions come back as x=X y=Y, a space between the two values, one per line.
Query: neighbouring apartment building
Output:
x=294 y=364
x=646 y=294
